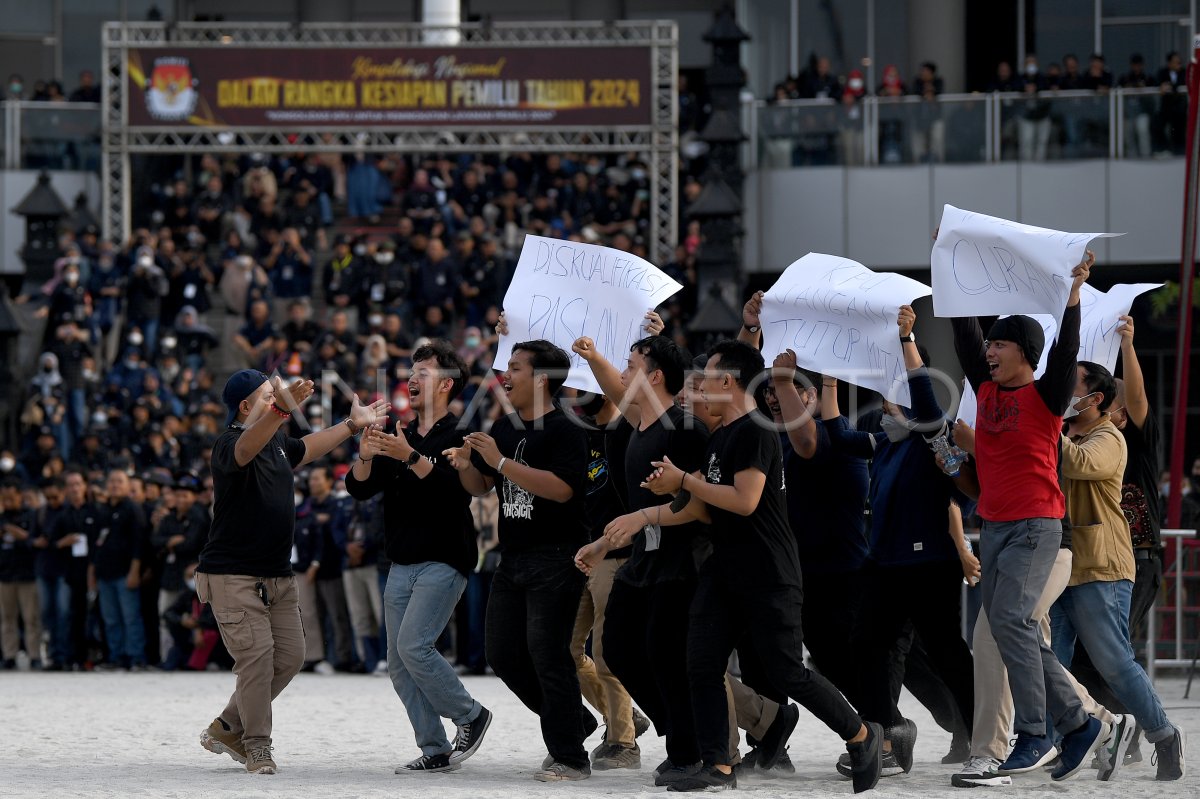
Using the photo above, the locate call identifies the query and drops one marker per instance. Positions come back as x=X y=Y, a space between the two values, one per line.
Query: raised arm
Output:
x=751 y=332
x=1057 y=385
x=799 y=422
x=606 y=375
x=362 y=417
x=972 y=355
x=858 y=443
x=256 y=435
x=1137 y=404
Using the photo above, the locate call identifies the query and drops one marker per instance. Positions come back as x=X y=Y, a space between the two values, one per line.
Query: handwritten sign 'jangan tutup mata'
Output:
x=984 y=265
x=839 y=318
x=562 y=290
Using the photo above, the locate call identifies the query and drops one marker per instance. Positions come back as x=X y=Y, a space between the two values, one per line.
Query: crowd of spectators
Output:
x=51 y=91
x=1039 y=124
x=328 y=268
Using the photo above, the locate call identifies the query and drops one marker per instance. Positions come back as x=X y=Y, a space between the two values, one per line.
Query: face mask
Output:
x=1031 y=69
x=15 y=88
x=135 y=338
x=896 y=430
x=299 y=498
x=384 y=258
x=593 y=169
x=1073 y=410
x=374 y=321
x=190 y=583
x=360 y=249
x=71 y=277
x=7 y=464
x=145 y=260
x=856 y=84
x=472 y=342
x=638 y=174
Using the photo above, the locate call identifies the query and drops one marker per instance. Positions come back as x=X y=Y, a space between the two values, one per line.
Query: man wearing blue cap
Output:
x=245 y=570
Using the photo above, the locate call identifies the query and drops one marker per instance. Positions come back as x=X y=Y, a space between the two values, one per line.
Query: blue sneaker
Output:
x=1030 y=753
x=1077 y=748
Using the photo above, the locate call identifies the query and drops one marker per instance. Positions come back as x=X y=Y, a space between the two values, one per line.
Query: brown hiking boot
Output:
x=258 y=760
x=220 y=740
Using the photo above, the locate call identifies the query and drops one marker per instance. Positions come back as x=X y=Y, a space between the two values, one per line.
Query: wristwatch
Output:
x=752 y=328
x=910 y=337
x=412 y=459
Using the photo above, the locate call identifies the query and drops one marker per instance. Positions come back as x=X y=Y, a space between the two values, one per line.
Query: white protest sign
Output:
x=562 y=290
x=983 y=265
x=1100 y=315
x=840 y=319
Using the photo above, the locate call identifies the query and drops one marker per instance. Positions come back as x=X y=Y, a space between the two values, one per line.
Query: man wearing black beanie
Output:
x=1018 y=428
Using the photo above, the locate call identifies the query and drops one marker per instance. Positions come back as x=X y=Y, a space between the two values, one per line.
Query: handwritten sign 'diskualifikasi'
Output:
x=839 y=318
x=984 y=265
x=1100 y=315
x=562 y=290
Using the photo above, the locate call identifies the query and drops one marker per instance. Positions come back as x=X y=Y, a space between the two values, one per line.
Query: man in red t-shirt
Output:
x=1018 y=428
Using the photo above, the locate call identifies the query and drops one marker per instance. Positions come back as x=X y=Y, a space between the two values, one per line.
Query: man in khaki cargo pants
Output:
x=245 y=570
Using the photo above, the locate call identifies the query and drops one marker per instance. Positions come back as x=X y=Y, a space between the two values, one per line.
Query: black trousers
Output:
x=1147 y=581
x=645 y=646
x=530 y=618
x=831 y=606
x=767 y=618
x=928 y=596
x=911 y=668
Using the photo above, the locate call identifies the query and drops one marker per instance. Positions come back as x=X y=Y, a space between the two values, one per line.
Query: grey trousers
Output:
x=1017 y=558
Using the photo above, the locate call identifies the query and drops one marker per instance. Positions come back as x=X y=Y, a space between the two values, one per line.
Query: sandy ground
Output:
x=118 y=735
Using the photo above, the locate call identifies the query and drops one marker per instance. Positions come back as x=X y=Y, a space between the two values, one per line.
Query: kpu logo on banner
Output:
x=171 y=94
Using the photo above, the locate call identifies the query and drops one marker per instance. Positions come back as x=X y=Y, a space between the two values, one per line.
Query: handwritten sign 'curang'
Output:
x=562 y=290
x=839 y=318
x=984 y=265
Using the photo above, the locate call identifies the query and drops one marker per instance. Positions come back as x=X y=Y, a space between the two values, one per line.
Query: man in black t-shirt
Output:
x=245 y=570
x=536 y=459
x=430 y=541
x=645 y=630
x=751 y=585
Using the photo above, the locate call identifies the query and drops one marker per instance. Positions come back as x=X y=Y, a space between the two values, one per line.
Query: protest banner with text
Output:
x=839 y=318
x=984 y=265
x=562 y=290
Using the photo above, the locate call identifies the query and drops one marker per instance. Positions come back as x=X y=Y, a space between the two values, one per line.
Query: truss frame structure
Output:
x=657 y=142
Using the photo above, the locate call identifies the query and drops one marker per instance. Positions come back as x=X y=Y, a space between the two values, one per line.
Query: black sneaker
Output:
x=1169 y=755
x=673 y=774
x=773 y=743
x=640 y=723
x=891 y=766
x=428 y=764
x=960 y=750
x=904 y=740
x=709 y=778
x=866 y=759
x=470 y=735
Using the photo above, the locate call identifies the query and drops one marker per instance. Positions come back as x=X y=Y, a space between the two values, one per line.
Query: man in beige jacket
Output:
x=1095 y=606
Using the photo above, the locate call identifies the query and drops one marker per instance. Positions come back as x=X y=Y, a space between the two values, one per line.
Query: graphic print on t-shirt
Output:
x=1137 y=513
x=1001 y=414
x=714 y=469
x=518 y=503
x=597 y=471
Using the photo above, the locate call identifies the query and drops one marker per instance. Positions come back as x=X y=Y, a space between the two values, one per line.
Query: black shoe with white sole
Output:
x=470 y=735
x=428 y=764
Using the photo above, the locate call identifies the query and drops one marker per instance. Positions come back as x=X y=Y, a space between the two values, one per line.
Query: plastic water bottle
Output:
x=952 y=456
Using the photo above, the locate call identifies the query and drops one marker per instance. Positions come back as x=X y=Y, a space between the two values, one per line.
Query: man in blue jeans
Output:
x=536 y=459
x=117 y=547
x=1095 y=606
x=430 y=539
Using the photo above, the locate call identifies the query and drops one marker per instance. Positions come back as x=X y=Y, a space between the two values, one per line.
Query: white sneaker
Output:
x=980 y=771
x=324 y=667
x=381 y=667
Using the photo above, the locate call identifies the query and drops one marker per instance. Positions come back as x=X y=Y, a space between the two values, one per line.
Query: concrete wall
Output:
x=883 y=216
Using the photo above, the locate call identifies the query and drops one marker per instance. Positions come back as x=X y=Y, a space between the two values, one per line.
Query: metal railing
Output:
x=1181 y=589
x=965 y=128
x=39 y=135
